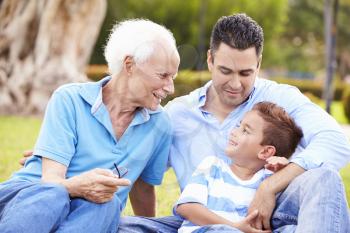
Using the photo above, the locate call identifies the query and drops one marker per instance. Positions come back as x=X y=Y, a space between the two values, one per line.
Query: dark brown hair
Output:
x=238 y=31
x=280 y=130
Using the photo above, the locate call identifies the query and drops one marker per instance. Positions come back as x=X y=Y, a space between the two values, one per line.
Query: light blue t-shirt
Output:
x=198 y=134
x=215 y=186
x=77 y=132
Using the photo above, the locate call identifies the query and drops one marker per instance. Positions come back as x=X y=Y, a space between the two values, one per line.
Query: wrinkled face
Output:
x=244 y=141
x=153 y=79
x=233 y=73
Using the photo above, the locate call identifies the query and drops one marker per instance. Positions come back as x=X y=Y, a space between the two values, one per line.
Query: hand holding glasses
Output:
x=120 y=171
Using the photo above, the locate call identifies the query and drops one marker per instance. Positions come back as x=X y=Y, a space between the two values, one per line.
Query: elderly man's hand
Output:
x=264 y=202
x=98 y=185
x=26 y=155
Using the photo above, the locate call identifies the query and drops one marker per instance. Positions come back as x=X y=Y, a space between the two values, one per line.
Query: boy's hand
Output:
x=26 y=155
x=276 y=163
x=246 y=224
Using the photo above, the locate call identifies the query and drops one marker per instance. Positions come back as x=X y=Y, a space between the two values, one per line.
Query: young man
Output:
x=203 y=118
x=219 y=193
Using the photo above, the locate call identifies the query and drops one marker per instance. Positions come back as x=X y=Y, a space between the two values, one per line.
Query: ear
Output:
x=128 y=64
x=209 y=60
x=266 y=152
x=259 y=62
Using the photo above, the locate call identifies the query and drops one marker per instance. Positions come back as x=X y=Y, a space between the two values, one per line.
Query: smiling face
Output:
x=233 y=74
x=245 y=141
x=152 y=80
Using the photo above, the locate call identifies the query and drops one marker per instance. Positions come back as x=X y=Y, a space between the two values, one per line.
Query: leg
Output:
x=35 y=208
x=168 y=224
x=314 y=202
x=86 y=216
x=9 y=190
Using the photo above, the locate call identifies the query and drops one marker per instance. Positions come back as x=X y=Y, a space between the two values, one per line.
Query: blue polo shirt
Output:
x=77 y=132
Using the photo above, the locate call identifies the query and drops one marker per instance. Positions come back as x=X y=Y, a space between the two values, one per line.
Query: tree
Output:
x=43 y=44
x=192 y=22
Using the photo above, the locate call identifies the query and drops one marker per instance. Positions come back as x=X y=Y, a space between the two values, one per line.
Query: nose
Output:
x=169 y=87
x=233 y=132
x=235 y=82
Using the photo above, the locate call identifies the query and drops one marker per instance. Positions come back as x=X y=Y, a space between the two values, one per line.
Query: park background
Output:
x=294 y=53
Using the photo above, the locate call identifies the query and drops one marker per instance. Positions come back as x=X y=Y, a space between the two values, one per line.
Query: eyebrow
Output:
x=228 y=69
x=248 y=126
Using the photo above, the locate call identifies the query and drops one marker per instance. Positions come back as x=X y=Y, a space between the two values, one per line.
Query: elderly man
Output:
x=310 y=195
x=90 y=128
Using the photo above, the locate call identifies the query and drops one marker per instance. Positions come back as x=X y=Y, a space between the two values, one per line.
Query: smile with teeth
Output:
x=159 y=96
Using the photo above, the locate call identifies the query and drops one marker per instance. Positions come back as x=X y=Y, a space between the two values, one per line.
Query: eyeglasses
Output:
x=120 y=171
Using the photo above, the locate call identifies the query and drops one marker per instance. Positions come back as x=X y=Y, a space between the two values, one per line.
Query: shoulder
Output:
x=211 y=162
x=183 y=103
x=265 y=85
x=162 y=119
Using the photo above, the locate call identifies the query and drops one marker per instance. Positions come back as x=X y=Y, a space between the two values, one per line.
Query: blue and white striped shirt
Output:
x=215 y=186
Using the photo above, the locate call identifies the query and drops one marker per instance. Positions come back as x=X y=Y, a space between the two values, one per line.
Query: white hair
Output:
x=136 y=38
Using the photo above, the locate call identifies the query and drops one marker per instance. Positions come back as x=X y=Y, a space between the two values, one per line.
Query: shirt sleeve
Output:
x=57 y=137
x=324 y=143
x=157 y=165
x=196 y=190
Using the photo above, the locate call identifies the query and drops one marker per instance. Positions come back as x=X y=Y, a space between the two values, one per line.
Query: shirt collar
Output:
x=204 y=90
x=92 y=94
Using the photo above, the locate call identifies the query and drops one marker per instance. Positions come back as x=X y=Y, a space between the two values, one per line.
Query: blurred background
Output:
x=45 y=43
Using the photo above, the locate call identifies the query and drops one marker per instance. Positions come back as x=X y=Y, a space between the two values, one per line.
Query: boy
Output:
x=219 y=193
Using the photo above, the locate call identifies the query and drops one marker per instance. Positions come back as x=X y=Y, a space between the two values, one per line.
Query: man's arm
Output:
x=143 y=198
x=265 y=198
x=97 y=185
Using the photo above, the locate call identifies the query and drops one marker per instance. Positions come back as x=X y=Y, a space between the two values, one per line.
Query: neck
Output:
x=243 y=171
x=116 y=97
x=215 y=106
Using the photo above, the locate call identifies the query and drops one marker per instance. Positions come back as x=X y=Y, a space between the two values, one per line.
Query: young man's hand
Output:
x=246 y=224
x=26 y=154
x=276 y=163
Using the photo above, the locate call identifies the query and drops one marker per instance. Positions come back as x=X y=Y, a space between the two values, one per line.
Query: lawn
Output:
x=18 y=134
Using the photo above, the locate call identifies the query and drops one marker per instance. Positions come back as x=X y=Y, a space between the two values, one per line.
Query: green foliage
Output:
x=192 y=21
x=346 y=102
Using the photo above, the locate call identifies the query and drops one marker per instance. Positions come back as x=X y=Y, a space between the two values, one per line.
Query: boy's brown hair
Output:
x=280 y=130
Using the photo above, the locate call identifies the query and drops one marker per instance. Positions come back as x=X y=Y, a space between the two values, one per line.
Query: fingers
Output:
x=22 y=161
x=258 y=223
x=266 y=223
x=27 y=153
x=250 y=217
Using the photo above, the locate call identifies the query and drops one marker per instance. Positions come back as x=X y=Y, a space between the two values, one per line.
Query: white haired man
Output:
x=90 y=128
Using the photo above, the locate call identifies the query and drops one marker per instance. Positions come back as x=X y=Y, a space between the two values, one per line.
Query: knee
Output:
x=114 y=205
x=322 y=175
x=55 y=192
x=318 y=178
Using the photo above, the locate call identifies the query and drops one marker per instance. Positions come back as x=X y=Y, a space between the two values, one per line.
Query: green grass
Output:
x=18 y=134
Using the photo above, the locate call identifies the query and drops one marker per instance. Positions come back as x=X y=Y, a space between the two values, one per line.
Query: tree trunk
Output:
x=43 y=44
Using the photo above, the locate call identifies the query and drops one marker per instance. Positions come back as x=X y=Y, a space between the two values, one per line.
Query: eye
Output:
x=244 y=131
x=225 y=71
x=163 y=76
x=245 y=74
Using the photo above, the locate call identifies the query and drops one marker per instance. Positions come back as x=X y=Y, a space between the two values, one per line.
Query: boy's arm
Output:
x=200 y=215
